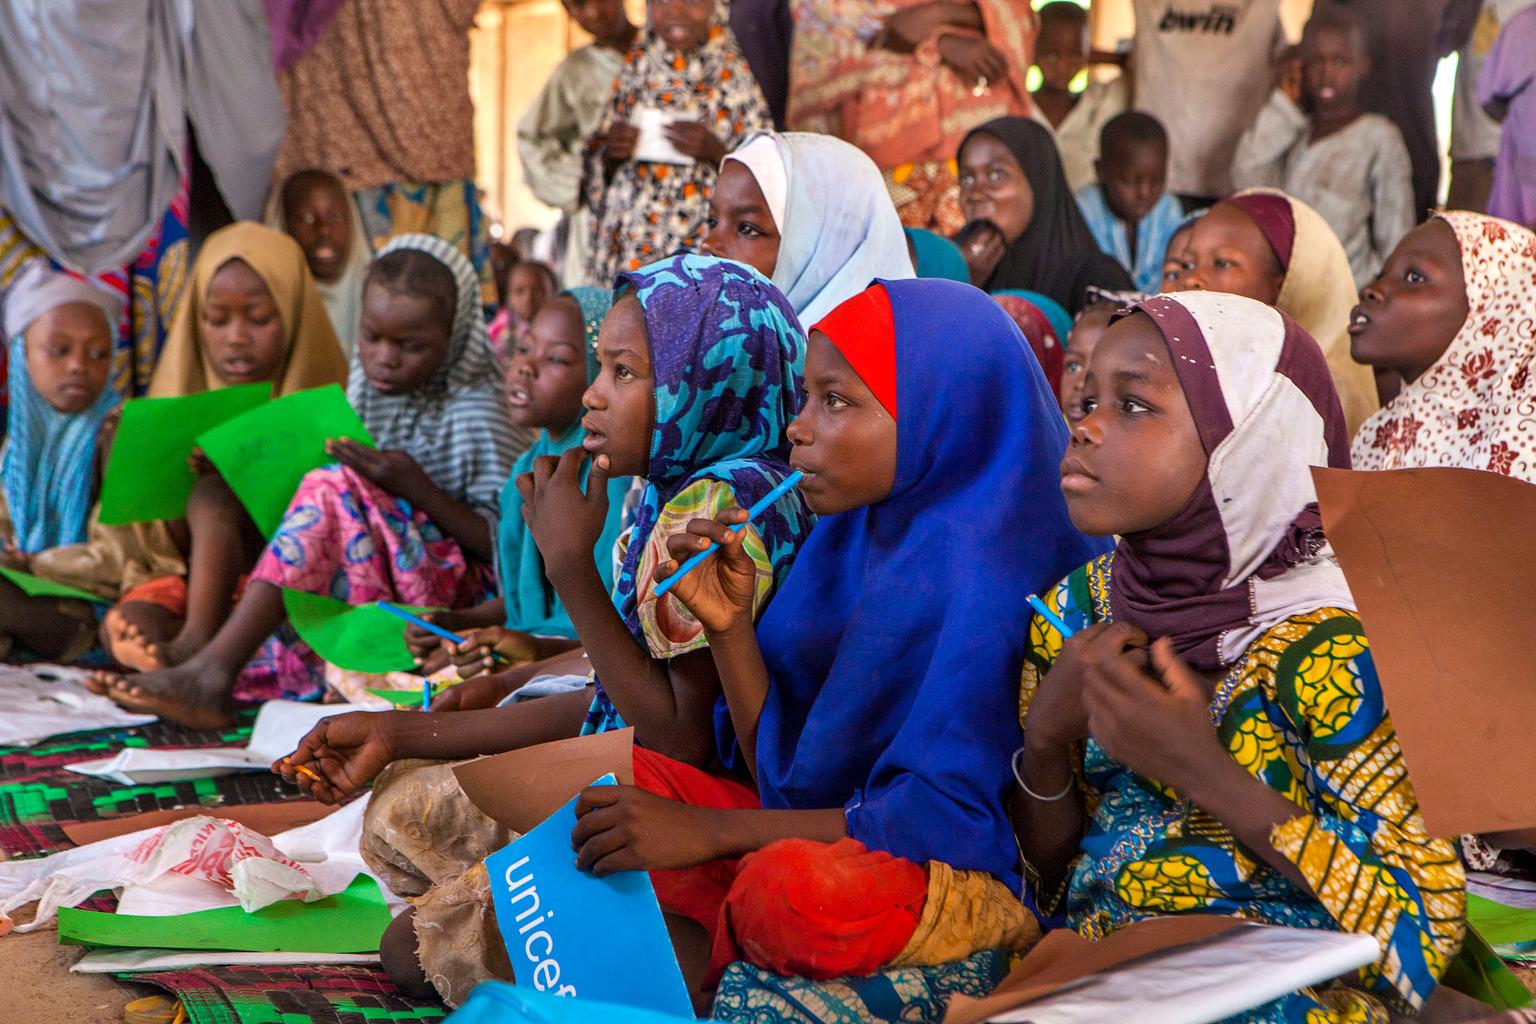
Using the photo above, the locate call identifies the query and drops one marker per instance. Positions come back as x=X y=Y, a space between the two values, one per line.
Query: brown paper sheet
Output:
x=521 y=788
x=1064 y=956
x=1442 y=563
x=268 y=819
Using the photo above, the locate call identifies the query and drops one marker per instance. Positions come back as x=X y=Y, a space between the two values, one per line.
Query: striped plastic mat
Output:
x=290 y=995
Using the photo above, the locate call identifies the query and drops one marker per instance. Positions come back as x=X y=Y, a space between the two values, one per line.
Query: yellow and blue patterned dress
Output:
x=1303 y=712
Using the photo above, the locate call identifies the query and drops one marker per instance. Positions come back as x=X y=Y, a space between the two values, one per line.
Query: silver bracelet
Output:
x=1019 y=778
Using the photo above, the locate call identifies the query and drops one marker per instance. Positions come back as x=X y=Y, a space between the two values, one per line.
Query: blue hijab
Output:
x=531 y=603
x=896 y=646
x=728 y=360
x=50 y=457
x=938 y=257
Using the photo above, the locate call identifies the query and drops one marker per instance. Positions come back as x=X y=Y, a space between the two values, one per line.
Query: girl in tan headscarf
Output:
x=1272 y=247
x=253 y=315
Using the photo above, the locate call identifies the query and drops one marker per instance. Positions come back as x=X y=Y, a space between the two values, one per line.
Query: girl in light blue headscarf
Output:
x=50 y=452
x=61 y=332
x=528 y=621
x=837 y=227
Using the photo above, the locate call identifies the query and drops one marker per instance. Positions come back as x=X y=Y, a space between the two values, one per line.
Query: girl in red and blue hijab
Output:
x=871 y=706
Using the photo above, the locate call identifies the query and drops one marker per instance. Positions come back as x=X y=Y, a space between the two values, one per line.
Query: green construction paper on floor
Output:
x=147 y=476
x=264 y=453
x=1498 y=924
x=348 y=922
x=36 y=586
x=360 y=638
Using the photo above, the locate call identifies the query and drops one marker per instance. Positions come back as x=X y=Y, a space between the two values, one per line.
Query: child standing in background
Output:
x=530 y=284
x=1076 y=118
x=564 y=115
x=1507 y=90
x=1130 y=211
x=687 y=67
x=1321 y=147
x=1203 y=70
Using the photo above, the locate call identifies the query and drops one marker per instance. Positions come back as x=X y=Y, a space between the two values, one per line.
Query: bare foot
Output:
x=134 y=633
x=197 y=696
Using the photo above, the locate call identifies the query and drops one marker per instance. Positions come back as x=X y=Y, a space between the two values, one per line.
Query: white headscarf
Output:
x=838 y=228
x=1475 y=408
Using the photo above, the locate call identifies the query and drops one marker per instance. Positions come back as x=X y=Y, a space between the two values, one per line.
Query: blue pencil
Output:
x=1050 y=616
x=426 y=694
x=752 y=513
x=417 y=620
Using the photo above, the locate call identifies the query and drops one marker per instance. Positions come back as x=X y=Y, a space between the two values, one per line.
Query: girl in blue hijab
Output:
x=60 y=335
x=872 y=706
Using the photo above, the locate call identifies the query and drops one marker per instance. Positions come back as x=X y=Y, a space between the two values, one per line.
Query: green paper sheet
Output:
x=264 y=454
x=1498 y=924
x=362 y=638
x=348 y=922
x=147 y=476
x=406 y=698
x=36 y=586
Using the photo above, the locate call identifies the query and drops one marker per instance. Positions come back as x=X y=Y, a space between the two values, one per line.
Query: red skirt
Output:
x=818 y=910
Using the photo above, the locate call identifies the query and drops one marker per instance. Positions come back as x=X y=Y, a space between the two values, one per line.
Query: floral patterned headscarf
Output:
x=1475 y=408
x=728 y=360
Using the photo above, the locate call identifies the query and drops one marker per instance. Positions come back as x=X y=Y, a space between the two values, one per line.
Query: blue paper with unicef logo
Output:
x=572 y=934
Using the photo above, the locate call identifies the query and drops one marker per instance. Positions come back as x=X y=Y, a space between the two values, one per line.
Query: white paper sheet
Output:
x=51 y=700
x=1207 y=982
x=108 y=960
x=280 y=725
x=652 y=146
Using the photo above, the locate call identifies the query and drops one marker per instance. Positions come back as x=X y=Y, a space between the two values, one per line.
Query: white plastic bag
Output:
x=222 y=855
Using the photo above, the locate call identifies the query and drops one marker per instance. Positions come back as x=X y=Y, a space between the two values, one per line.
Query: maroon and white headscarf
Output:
x=1475 y=408
x=1247 y=551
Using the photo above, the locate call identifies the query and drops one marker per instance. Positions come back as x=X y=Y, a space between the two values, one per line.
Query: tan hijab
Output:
x=313 y=358
x=1318 y=292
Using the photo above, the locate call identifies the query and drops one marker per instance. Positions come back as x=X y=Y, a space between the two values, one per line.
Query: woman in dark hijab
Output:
x=1011 y=175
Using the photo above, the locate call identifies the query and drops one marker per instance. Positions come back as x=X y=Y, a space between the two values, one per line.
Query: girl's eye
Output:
x=1223 y=264
x=836 y=401
x=997 y=174
x=1088 y=404
x=622 y=372
x=966 y=180
x=1073 y=366
x=748 y=230
x=1413 y=276
x=1134 y=405
x=711 y=222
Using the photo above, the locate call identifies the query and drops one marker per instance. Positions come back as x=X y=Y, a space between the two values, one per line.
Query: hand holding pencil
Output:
x=341 y=755
x=710 y=570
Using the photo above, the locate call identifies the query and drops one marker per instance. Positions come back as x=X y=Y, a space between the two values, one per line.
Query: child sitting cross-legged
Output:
x=60 y=332
x=1213 y=738
x=408 y=521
